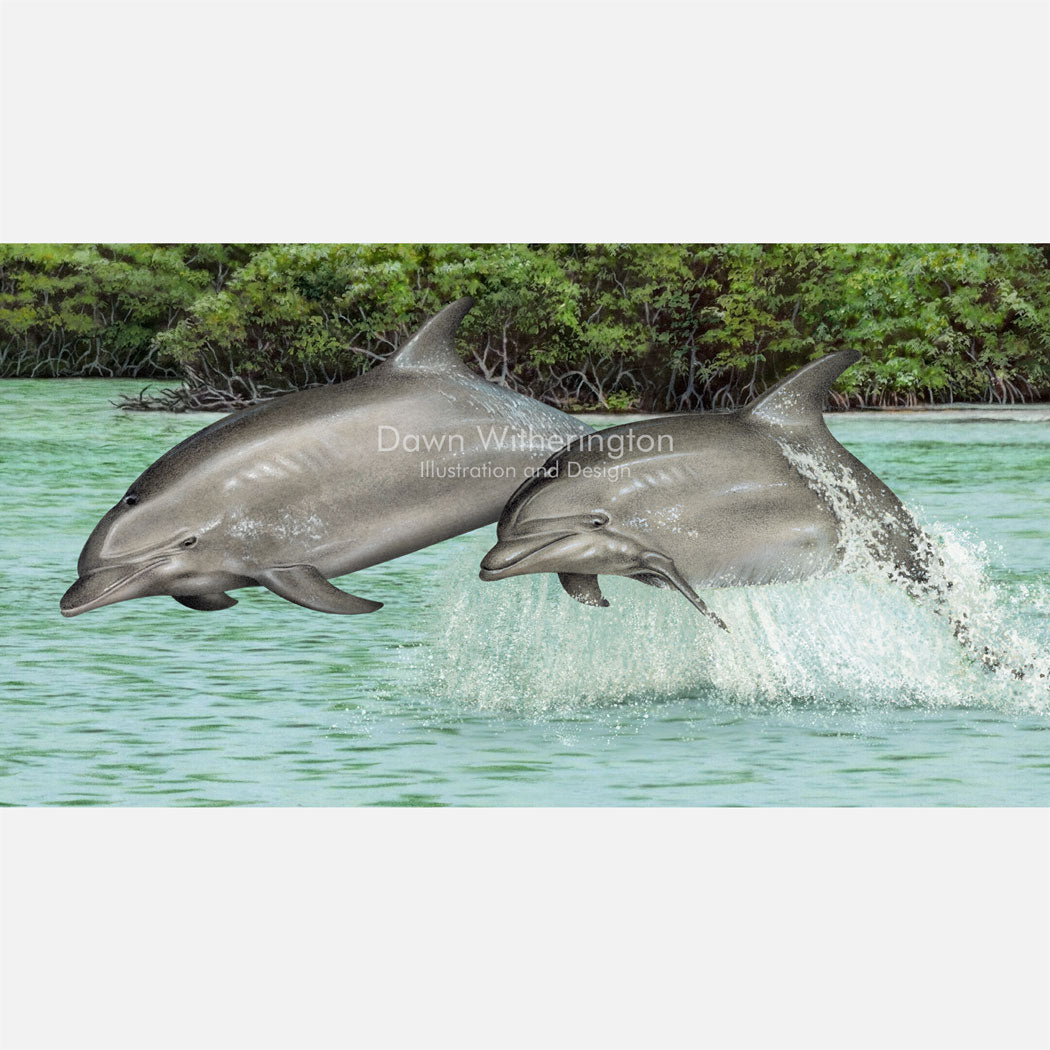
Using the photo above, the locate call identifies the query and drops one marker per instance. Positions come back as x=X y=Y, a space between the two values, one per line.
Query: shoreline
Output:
x=958 y=410
x=1030 y=412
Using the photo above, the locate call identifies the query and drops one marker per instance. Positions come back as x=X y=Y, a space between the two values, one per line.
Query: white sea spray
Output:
x=852 y=640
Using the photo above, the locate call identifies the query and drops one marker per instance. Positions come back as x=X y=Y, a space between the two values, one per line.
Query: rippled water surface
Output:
x=841 y=691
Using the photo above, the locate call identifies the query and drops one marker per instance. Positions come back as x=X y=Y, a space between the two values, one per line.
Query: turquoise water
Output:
x=832 y=692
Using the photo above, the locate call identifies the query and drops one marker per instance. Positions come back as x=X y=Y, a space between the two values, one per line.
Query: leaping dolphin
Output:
x=320 y=483
x=761 y=495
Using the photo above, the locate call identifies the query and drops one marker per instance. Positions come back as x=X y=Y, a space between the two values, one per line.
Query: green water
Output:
x=833 y=692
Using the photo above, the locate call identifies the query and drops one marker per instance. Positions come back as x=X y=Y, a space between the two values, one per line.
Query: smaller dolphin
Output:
x=709 y=500
x=320 y=483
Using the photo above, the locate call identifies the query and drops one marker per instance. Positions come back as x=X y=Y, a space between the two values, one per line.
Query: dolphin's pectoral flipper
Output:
x=662 y=566
x=304 y=585
x=651 y=579
x=206 y=602
x=583 y=588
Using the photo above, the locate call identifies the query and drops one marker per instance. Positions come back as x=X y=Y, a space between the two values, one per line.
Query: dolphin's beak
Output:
x=107 y=586
x=520 y=556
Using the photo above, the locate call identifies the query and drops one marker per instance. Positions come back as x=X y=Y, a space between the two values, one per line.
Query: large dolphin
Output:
x=761 y=495
x=320 y=483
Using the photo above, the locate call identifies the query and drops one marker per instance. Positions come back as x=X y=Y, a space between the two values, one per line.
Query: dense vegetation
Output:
x=650 y=326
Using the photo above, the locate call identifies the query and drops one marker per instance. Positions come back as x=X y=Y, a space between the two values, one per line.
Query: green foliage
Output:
x=615 y=326
x=91 y=309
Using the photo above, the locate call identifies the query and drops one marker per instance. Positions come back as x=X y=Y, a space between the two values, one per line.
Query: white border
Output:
x=525 y=121
x=362 y=122
x=525 y=928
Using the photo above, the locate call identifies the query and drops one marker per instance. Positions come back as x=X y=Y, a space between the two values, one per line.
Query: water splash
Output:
x=949 y=575
x=866 y=635
x=844 y=641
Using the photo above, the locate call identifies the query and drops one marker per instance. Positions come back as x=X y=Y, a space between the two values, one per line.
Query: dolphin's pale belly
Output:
x=805 y=550
x=351 y=496
x=749 y=532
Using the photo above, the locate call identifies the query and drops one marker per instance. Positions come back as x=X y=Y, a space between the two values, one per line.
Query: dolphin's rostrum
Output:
x=311 y=486
x=706 y=500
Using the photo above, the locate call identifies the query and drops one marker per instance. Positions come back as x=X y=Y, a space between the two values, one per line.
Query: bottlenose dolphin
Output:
x=320 y=483
x=760 y=495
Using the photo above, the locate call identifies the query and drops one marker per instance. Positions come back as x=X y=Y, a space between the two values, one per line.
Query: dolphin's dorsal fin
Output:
x=434 y=345
x=799 y=400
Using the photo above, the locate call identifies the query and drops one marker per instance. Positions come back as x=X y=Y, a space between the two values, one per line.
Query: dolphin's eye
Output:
x=189 y=542
x=598 y=521
x=130 y=499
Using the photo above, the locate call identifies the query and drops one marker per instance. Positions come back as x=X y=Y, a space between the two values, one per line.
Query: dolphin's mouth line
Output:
x=76 y=610
x=518 y=558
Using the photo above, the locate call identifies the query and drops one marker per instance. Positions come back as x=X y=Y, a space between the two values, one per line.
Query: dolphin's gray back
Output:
x=761 y=495
x=862 y=503
x=726 y=506
x=800 y=497
x=340 y=477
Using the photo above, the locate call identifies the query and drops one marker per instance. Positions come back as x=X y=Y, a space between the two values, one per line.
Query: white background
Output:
x=521 y=928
